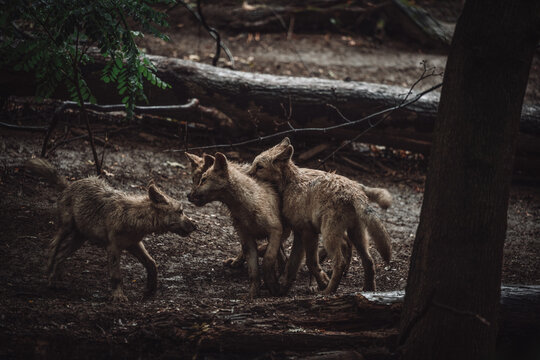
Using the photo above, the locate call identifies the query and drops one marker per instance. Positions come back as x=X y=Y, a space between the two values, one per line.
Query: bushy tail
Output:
x=379 y=195
x=377 y=231
x=41 y=167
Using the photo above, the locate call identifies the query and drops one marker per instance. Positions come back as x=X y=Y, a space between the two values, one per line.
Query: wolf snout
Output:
x=195 y=199
x=191 y=225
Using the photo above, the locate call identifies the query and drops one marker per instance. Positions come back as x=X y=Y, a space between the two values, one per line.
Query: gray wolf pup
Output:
x=89 y=209
x=320 y=202
x=254 y=208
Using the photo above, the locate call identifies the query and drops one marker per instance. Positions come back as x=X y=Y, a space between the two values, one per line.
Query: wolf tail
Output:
x=378 y=195
x=43 y=168
x=368 y=219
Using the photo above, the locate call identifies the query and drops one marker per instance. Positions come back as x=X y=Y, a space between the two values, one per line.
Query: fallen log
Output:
x=400 y=19
x=264 y=104
x=236 y=92
x=367 y=324
x=355 y=324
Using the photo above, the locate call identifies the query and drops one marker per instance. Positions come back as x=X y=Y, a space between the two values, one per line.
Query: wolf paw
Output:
x=148 y=294
x=232 y=263
x=119 y=297
x=327 y=291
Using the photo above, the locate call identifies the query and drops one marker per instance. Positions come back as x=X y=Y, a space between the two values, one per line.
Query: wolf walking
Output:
x=89 y=209
x=319 y=202
x=254 y=208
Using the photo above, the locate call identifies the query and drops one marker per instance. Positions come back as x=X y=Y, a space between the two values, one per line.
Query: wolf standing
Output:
x=89 y=209
x=254 y=208
x=319 y=202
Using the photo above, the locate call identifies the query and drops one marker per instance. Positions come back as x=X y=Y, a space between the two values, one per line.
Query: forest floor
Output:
x=196 y=291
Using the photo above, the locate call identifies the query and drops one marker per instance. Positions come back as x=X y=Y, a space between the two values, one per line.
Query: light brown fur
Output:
x=254 y=208
x=319 y=202
x=198 y=168
x=89 y=209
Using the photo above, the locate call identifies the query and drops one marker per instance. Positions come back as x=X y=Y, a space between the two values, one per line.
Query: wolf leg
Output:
x=140 y=253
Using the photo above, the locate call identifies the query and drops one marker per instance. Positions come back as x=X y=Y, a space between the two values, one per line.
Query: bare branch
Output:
x=426 y=73
x=24 y=128
x=213 y=32
x=323 y=130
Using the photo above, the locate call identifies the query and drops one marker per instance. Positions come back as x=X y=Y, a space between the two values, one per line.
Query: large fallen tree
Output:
x=263 y=104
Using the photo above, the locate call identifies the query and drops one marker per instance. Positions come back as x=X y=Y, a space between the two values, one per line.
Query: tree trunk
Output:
x=453 y=289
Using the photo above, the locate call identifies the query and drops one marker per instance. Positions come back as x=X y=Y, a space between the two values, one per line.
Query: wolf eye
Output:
x=203 y=180
x=258 y=167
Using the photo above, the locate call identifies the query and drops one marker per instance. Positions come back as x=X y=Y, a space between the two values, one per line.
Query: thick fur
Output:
x=319 y=202
x=89 y=209
x=198 y=168
x=254 y=208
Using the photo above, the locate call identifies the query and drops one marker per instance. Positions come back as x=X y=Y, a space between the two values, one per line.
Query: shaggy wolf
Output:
x=254 y=208
x=319 y=202
x=89 y=209
x=198 y=167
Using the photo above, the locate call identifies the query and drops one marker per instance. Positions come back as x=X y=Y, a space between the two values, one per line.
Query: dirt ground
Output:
x=76 y=319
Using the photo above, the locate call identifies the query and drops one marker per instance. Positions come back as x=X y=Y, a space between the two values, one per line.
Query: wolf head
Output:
x=169 y=212
x=270 y=164
x=198 y=166
x=213 y=182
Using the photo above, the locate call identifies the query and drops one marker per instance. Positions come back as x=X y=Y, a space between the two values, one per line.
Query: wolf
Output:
x=319 y=202
x=89 y=209
x=254 y=208
x=378 y=195
x=198 y=167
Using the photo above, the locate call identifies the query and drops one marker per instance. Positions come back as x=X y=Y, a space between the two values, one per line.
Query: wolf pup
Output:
x=254 y=208
x=89 y=209
x=319 y=202
x=198 y=167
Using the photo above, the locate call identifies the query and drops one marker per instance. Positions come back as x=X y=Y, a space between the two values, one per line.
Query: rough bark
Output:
x=453 y=289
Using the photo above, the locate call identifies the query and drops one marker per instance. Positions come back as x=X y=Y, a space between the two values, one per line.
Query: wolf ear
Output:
x=208 y=161
x=286 y=141
x=195 y=160
x=286 y=154
x=156 y=196
x=221 y=162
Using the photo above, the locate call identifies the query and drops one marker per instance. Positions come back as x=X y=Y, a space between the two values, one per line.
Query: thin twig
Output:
x=85 y=136
x=104 y=148
x=284 y=26
x=426 y=73
x=152 y=110
x=211 y=31
x=24 y=128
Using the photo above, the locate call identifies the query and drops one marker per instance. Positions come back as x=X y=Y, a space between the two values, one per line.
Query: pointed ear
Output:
x=195 y=160
x=208 y=161
x=156 y=196
x=150 y=183
x=221 y=162
x=286 y=154
x=286 y=141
